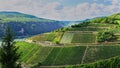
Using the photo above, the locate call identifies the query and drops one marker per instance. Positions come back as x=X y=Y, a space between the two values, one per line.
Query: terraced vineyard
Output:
x=52 y=37
x=84 y=38
x=79 y=35
x=65 y=55
x=90 y=28
x=87 y=42
x=101 y=52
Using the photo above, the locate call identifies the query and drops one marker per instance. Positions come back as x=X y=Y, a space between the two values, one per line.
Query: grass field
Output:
x=71 y=55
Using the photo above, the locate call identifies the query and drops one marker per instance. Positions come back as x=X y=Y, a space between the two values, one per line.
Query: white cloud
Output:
x=55 y=10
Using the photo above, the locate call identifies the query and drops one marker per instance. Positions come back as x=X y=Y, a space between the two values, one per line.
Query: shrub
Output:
x=106 y=36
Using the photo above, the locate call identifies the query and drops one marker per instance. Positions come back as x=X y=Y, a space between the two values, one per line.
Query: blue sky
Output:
x=62 y=9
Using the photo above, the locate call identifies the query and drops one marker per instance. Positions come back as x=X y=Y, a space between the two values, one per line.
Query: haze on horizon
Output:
x=62 y=9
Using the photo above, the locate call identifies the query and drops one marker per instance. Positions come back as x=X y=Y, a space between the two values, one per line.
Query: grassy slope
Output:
x=33 y=53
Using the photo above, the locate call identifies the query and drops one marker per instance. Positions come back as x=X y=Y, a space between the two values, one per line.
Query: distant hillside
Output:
x=24 y=24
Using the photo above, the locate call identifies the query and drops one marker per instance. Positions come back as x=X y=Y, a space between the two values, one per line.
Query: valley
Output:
x=59 y=33
x=80 y=44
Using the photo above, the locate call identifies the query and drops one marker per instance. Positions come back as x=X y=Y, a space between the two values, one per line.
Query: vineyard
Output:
x=84 y=38
x=65 y=55
x=84 y=43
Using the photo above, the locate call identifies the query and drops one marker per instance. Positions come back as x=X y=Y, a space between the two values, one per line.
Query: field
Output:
x=100 y=25
x=87 y=29
x=93 y=27
x=84 y=38
x=78 y=37
x=52 y=37
x=101 y=52
x=66 y=36
x=65 y=55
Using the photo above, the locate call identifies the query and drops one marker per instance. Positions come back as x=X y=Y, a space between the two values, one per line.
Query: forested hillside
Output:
x=25 y=25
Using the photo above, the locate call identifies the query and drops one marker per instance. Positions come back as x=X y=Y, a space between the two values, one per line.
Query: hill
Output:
x=26 y=25
x=75 y=45
x=85 y=32
x=65 y=55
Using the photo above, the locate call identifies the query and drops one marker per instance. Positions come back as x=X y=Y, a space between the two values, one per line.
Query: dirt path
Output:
x=84 y=54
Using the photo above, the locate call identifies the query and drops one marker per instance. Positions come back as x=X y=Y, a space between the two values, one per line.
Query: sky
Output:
x=72 y=10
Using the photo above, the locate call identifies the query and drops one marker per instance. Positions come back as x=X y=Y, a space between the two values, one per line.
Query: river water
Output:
x=14 y=40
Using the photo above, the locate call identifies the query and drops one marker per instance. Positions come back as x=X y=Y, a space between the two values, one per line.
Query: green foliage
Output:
x=83 y=24
x=62 y=29
x=113 y=19
x=9 y=54
x=104 y=20
x=115 y=30
x=100 y=20
x=106 y=36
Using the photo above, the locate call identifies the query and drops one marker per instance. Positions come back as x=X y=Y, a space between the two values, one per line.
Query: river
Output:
x=14 y=40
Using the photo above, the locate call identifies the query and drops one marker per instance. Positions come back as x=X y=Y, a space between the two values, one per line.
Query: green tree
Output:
x=9 y=54
x=106 y=36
